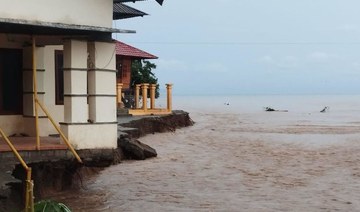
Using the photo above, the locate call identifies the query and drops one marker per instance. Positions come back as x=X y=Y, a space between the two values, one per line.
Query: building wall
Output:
x=81 y=12
x=92 y=136
x=12 y=124
x=8 y=41
x=101 y=131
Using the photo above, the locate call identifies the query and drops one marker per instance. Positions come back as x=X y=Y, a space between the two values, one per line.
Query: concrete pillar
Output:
x=75 y=81
x=169 y=96
x=102 y=82
x=92 y=65
x=75 y=92
x=152 y=95
x=137 y=93
x=144 y=88
x=119 y=95
x=28 y=91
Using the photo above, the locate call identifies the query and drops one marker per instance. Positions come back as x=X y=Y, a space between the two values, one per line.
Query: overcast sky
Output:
x=251 y=46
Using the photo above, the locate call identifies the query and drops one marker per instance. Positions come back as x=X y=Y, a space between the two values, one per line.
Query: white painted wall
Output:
x=12 y=124
x=92 y=136
x=17 y=123
x=83 y=136
x=81 y=12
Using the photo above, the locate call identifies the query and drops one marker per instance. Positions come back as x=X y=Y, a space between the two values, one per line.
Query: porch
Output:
x=29 y=144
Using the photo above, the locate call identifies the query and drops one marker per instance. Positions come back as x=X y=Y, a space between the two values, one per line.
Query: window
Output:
x=59 y=77
x=10 y=81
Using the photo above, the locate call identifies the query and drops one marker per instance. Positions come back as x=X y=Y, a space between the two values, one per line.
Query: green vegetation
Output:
x=50 y=206
x=141 y=72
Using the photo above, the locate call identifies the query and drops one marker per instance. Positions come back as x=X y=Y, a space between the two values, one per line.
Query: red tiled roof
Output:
x=124 y=49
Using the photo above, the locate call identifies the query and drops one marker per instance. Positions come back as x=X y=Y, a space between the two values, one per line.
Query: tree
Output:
x=141 y=72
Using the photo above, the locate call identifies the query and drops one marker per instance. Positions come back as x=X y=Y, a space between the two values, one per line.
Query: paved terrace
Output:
x=29 y=144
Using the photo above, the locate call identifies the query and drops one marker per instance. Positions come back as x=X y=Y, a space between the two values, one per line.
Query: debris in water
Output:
x=269 y=109
x=326 y=109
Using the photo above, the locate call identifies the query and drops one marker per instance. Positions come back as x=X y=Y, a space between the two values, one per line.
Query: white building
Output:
x=81 y=97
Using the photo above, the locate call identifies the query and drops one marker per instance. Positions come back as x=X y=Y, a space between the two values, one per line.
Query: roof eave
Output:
x=122 y=1
x=37 y=25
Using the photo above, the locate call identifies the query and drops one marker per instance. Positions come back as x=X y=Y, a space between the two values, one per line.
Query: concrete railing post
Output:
x=169 y=96
x=137 y=93
x=152 y=95
x=118 y=94
x=144 y=87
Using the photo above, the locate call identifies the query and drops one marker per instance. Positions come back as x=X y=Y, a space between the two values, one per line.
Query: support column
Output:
x=144 y=87
x=152 y=95
x=102 y=82
x=137 y=93
x=119 y=95
x=76 y=115
x=102 y=128
x=28 y=91
x=75 y=81
x=169 y=96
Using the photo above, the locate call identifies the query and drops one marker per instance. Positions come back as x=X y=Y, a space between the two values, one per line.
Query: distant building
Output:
x=125 y=54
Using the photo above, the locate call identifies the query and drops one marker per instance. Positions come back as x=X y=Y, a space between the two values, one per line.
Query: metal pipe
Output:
x=18 y=156
x=59 y=131
x=29 y=196
x=35 y=93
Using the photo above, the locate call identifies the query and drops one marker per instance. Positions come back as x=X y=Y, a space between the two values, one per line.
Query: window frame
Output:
x=59 y=77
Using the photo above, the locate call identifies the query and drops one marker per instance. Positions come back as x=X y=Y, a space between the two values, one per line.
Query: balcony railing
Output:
x=145 y=109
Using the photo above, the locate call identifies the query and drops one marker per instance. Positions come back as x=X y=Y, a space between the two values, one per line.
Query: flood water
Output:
x=237 y=157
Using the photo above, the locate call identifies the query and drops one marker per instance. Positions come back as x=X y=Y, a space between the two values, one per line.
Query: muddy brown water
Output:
x=235 y=162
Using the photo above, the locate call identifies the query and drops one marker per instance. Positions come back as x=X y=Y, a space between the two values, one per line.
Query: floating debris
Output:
x=326 y=109
x=269 y=109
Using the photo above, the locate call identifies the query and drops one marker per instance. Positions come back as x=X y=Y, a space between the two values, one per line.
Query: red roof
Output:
x=123 y=49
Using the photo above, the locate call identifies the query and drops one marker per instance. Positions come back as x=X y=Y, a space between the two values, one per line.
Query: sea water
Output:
x=256 y=103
